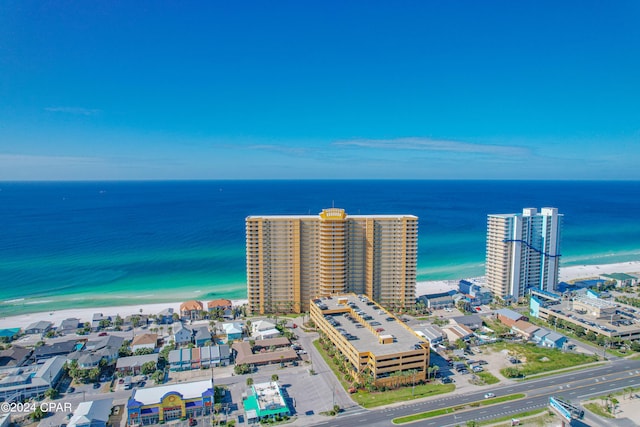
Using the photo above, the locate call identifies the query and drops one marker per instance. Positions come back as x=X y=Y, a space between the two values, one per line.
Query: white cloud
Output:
x=283 y=149
x=34 y=160
x=79 y=111
x=428 y=144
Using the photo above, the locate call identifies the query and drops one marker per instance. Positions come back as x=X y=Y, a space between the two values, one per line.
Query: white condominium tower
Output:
x=523 y=251
x=294 y=258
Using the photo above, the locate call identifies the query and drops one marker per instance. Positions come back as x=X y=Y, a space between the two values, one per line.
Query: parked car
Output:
x=446 y=380
x=96 y=385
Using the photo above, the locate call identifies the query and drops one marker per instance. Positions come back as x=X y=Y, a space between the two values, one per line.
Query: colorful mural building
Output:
x=170 y=402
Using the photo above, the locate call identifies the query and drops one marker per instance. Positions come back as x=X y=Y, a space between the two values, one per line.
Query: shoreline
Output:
x=85 y=314
x=573 y=272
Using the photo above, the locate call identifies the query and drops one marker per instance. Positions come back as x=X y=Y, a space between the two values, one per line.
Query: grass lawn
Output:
x=540 y=359
x=444 y=411
x=543 y=416
x=372 y=399
x=598 y=409
x=487 y=377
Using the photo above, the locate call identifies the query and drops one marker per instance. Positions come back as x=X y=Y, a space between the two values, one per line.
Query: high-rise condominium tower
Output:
x=523 y=251
x=292 y=259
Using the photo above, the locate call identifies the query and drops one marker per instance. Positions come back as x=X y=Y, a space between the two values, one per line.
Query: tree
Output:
x=124 y=351
x=37 y=414
x=435 y=370
x=94 y=374
x=148 y=367
x=249 y=381
x=158 y=376
x=461 y=344
x=51 y=393
x=274 y=377
x=241 y=369
x=135 y=321
x=144 y=350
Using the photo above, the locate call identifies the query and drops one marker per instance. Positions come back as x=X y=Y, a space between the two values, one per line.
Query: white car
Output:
x=489 y=395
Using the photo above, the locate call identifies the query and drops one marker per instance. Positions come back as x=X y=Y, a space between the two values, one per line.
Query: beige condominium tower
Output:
x=523 y=251
x=294 y=258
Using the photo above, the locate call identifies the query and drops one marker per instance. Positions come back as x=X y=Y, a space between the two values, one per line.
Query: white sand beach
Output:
x=566 y=273
x=85 y=314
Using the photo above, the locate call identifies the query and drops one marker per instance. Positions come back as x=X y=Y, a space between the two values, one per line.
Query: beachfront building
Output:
x=158 y=405
x=376 y=345
x=523 y=251
x=619 y=279
x=40 y=327
x=265 y=400
x=292 y=259
x=191 y=310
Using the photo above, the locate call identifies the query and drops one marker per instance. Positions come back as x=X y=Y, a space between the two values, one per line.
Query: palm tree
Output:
x=274 y=378
x=249 y=381
x=436 y=368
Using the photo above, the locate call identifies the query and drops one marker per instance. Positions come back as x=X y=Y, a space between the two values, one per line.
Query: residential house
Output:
x=191 y=310
x=41 y=327
x=475 y=291
x=263 y=329
x=509 y=317
x=94 y=351
x=547 y=338
x=181 y=334
x=144 y=341
x=219 y=306
x=14 y=357
x=472 y=321
x=233 y=330
x=61 y=348
x=69 y=326
x=261 y=325
x=132 y=365
x=94 y=413
x=201 y=335
x=165 y=317
x=524 y=329
x=456 y=332
x=31 y=380
x=98 y=320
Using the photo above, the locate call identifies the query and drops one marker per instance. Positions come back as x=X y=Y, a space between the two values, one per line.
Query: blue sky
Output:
x=324 y=89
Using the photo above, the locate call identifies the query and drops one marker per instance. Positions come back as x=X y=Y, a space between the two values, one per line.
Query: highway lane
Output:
x=574 y=385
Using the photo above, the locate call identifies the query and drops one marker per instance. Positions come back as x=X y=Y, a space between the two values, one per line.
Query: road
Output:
x=574 y=386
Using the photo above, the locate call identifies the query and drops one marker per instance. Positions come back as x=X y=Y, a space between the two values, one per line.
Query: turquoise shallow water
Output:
x=89 y=244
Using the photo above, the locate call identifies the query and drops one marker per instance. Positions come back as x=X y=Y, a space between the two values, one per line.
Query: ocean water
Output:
x=85 y=244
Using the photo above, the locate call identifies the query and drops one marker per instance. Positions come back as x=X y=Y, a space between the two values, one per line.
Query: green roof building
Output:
x=265 y=401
